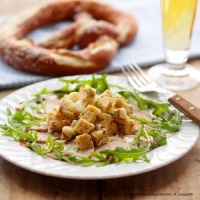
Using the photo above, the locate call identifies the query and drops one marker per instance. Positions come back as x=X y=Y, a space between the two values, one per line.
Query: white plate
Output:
x=177 y=145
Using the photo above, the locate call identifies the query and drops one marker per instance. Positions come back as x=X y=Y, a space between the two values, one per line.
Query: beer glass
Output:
x=177 y=23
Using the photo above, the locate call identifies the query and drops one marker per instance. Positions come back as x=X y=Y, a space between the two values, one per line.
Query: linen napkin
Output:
x=145 y=50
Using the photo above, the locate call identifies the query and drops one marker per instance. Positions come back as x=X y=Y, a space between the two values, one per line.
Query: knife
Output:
x=187 y=108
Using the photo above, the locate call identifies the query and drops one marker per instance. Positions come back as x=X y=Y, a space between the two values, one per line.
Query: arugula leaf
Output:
x=55 y=147
x=17 y=124
x=100 y=84
x=38 y=148
x=122 y=155
x=153 y=137
x=49 y=146
x=73 y=85
x=8 y=132
x=15 y=131
x=24 y=118
x=159 y=138
x=43 y=92
x=106 y=157
x=85 y=161
x=172 y=125
x=38 y=105
x=142 y=103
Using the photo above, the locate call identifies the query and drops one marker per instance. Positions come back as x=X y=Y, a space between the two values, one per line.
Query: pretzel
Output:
x=98 y=30
x=83 y=32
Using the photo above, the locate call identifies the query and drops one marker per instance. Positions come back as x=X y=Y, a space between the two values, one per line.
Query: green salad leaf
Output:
x=142 y=103
x=73 y=85
x=154 y=138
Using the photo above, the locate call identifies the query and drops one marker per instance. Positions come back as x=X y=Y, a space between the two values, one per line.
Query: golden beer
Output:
x=178 y=18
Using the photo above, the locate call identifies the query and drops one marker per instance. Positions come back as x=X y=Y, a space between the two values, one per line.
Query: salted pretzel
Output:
x=98 y=30
x=84 y=31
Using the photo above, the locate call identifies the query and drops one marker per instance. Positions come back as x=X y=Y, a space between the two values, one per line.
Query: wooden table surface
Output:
x=179 y=180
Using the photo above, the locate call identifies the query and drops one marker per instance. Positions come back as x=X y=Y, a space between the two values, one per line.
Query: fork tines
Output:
x=136 y=77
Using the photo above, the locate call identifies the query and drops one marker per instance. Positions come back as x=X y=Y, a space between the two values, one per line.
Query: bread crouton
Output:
x=87 y=96
x=105 y=104
x=90 y=113
x=67 y=105
x=83 y=126
x=100 y=137
x=55 y=121
x=128 y=128
x=68 y=132
x=104 y=120
x=84 y=141
x=74 y=96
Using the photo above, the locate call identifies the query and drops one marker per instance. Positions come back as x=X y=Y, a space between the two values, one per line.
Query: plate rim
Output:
x=82 y=177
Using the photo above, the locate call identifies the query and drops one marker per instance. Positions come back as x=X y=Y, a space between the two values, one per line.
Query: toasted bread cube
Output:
x=120 y=121
x=83 y=126
x=63 y=137
x=74 y=96
x=65 y=122
x=113 y=129
x=55 y=121
x=106 y=93
x=74 y=122
x=68 y=116
x=84 y=141
x=104 y=120
x=67 y=105
x=87 y=95
x=79 y=106
x=100 y=137
x=129 y=109
x=90 y=113
x=121 y=102
x=68 y=132
x=128 y=128
x=105 y=104
x=122 y=113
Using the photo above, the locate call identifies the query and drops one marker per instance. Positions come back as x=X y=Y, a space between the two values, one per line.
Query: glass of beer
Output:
x=177 y=22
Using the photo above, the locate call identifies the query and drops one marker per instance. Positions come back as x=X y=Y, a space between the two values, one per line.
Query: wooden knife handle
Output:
x=190 y=110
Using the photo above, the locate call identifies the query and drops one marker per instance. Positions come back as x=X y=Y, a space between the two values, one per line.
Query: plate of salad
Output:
x=91 y=127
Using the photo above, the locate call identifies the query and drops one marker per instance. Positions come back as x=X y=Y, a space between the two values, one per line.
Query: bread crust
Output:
x=99 y=34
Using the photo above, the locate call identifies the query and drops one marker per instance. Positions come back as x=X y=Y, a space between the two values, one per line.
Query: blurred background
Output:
x=10 y=6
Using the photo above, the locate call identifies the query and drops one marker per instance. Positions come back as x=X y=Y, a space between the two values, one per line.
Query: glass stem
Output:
x=176 y=62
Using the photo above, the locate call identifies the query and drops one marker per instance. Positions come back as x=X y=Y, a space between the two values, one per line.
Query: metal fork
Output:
x=140 y=81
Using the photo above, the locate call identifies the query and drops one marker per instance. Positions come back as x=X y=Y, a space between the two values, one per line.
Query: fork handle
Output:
x=190 y=110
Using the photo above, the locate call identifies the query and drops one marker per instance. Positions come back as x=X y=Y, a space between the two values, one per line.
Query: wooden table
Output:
x=170 y=182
